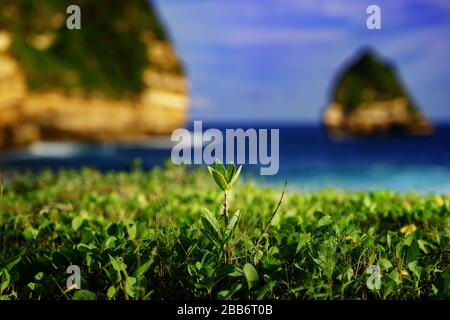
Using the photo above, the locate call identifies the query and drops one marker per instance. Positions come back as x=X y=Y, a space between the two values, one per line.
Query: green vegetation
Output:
x=107 y=56
x=143 y=235
x=221 y=233
x=368 y=79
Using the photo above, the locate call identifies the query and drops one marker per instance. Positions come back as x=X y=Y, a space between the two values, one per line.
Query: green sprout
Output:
x=225 y=178
x=221 y=233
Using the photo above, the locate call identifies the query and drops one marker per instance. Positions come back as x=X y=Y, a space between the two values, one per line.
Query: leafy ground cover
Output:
x=143 y=235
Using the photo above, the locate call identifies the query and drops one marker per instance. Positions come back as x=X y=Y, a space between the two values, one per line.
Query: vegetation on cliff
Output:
x=118 y=78
x=368 y=79
x=108 y=55
x=141 y=235
x=369 y=98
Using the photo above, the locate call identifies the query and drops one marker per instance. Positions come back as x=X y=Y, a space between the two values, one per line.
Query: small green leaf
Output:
x=422 y=245
x=131 y=230
x=231 y=170
x=219 y=178
x=84 y=295
x=118 y=263
x=324 y=221
x=111 y=292
x=273 y=251
x=212 y=227
x=77 y=222
x=258 y=255
x=5 y=279
x=129 y=284
x=303 y=240
x=30 y=233
x=82 y=247
x=349 y=274
x=416 y=269
x=31 y=285
x=110 y=243
x=220 y=167
x=10 y=265
x=235 y=176
x=238 y=272
x=231 y=225
x=395 y=276
x=228 y=294
x=385 y=264
x=265 y=290
x=251 y=275
x=413 y=252
x=388 y=240
x=39 y=276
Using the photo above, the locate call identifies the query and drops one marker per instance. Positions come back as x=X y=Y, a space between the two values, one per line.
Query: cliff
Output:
x=369 y=99
x=117 y=78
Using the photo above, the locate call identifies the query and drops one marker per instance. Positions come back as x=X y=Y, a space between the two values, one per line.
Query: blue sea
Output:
x=309 y=159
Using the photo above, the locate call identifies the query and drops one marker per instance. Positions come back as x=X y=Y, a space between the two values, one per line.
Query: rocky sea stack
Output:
x=117 y=78
x=369 y=99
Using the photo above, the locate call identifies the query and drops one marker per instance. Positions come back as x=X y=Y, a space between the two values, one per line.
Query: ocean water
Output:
x=309 y=160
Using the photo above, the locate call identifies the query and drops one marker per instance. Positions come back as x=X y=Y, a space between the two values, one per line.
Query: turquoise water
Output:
x=309 y=160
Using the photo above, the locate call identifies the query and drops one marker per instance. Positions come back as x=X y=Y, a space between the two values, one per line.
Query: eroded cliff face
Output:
x=384 y=117
x=31 y=110
x=368 y=99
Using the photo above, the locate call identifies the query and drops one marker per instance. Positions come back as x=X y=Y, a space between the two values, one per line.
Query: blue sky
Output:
x=275 y=60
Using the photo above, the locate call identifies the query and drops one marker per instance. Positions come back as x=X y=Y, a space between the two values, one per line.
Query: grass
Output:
x=139 y=235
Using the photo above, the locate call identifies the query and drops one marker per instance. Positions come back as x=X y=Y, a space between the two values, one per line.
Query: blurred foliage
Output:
x=107 y=56
x=139 y=235
x=366 y=80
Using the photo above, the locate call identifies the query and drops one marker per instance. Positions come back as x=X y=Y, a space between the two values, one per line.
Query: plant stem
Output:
x=273 y=214
x=124 y=288
x=225 y=215
x=225 y=253
x=225 y=208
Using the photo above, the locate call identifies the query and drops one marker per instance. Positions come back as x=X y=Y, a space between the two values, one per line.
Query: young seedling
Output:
x=225 y=178
x=220 y=233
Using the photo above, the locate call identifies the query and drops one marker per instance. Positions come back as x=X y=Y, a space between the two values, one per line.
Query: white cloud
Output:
x=327 y=8
x=260 y=35
x=200 y=102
